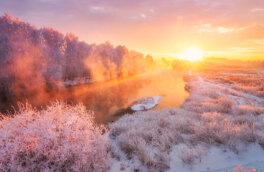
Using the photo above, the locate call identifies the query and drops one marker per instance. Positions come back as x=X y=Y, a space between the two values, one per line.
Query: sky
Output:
x=222 y=28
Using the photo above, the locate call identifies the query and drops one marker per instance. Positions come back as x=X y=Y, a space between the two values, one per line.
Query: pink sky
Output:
x=227 y=28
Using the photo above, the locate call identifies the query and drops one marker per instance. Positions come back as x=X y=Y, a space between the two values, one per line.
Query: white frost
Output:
x=146 y=103
x=217 y=159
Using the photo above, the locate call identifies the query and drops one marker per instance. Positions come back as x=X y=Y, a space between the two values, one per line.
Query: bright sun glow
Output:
x=192 y=54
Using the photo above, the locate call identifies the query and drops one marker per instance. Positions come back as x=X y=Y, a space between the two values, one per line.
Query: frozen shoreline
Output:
x=146 y=103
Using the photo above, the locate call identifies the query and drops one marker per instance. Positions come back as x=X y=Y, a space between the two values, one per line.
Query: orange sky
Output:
x=224 y=28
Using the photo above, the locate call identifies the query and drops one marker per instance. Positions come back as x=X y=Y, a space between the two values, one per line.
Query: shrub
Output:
x=58 y=138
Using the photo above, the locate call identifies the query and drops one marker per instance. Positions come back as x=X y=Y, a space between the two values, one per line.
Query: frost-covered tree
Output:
x=33 y=59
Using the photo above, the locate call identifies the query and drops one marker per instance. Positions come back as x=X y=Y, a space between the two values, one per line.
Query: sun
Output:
x=192 y=54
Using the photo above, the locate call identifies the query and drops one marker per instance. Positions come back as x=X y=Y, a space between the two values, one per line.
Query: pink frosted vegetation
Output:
x=240 y=168
x=58 y=138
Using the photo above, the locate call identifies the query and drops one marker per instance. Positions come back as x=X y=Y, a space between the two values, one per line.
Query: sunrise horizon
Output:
x=132 y=85
x=234 y=53
x=155 y=28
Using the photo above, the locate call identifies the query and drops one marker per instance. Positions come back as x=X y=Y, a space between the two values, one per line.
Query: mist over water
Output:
x=35 y=63
x=110 y=100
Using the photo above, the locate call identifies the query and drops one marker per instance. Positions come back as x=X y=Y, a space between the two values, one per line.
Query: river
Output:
x=110 y=100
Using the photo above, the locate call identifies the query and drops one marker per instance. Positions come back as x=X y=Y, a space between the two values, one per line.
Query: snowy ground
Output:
x=220 y=159
x=146 y=103
x=220 y=127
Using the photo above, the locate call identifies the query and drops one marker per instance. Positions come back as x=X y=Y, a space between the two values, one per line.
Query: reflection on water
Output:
x=111 y=100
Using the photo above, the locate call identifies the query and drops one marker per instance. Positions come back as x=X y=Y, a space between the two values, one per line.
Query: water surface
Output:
x=112 y=99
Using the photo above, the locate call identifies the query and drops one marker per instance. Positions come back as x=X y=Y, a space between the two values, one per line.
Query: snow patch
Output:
x=220 y=159
x=146 y=103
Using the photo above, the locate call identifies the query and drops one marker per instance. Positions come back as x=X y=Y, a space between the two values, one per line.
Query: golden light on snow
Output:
x=192 y=54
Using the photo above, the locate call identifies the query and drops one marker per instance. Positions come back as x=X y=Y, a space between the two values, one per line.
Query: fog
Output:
x=34 y=63
x=110 y=100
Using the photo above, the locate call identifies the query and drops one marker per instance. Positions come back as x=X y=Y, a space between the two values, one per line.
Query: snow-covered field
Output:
x=220 y=127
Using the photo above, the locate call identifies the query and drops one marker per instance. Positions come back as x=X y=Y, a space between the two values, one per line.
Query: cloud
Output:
x=253 y=32
x=223 y=30
x=257 y=10
x=139 y=17
x=97 y=9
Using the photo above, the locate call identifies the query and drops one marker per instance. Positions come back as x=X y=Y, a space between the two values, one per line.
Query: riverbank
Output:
x=219 y=127
x=217 y=114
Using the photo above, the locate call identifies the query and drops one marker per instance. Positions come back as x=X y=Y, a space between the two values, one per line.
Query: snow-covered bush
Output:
x=190 y=154
x=58 y=138
x=249 y=109
x=147 y=136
